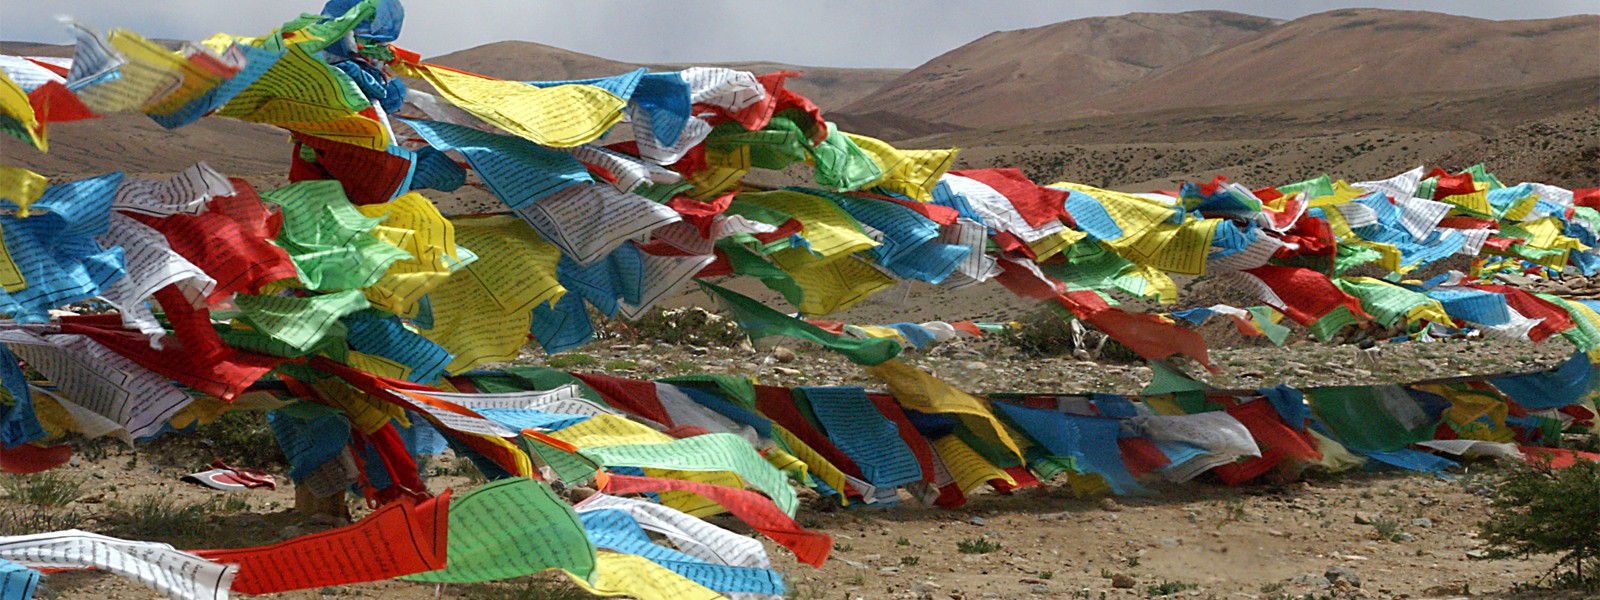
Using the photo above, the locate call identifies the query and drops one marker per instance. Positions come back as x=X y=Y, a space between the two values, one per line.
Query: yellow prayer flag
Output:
x=14 y=105
x=482 y=312
x=609 y=430
x=910 y=172
x=561 y=116
x=832 y=286
x=969 y=468
x=829 y=230
x=413 y=224
x=1342 y=192
x=1135 y=215
x=818 y=466
x=637 y=577
x=190 y=79
x=920 y=391
x=302 y=93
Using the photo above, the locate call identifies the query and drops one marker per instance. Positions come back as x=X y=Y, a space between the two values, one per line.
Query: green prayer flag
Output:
x=511 y=528
x=1374 y=418
x=330 y=241
x=1275 y=332
x=1336 y=319
x=300 y=324
x=760 y=321
x=570 y=468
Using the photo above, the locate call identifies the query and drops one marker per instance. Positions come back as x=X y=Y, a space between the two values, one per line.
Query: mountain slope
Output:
x=1370 y=52
x=1048 y=73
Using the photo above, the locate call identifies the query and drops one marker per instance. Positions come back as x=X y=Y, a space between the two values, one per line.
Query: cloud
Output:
x=880 y=33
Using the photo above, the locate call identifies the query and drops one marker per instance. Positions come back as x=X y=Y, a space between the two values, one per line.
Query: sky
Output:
x=842 y=33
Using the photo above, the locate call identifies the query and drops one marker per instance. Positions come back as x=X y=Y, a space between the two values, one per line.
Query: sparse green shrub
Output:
x=1167 y=588
x=1541 y=510
x=1388 y=530
x=163 y=517
x=568 y=361
x=26 y=519
x=49 y=488
x=910 y=561
x=621 y=365
x=977 y=546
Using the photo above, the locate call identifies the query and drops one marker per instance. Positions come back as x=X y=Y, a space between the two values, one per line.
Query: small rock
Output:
x=1423 y=522
x=92 y=499
x=1042 y=590
x=1478 y=554
x=699 y=350
x=1122 y=582
x=1107 y=504
x=786 y=371
x=1365 y=518
x=1404 y=537
x=1171 y=542
x=784 y=355
x=622 y=347
x=1348 y=575
x=977 y=521
x=1309 y=579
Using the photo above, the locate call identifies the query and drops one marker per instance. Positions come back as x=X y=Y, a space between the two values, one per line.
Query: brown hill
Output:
x=829 y=87
x=1370 y=52
x=1548 y=133
x=1050 y=73
x=1151 y=62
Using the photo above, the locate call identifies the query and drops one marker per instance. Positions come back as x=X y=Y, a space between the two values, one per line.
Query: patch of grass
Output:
x=49 y=488
x=1133 y=561
x=857 y=580
x=910 y=561
x=94 y=449
x=26 y=519
x=902 y=542
x=568 y=361
x=621 y=364
x=1232 y=511
x=1388 y=529
x=1047 y=575
x=1268 y=588
x=843 y=547
x=977 y=546
x=162 y=517
x=1167 y=588
x=464 y=467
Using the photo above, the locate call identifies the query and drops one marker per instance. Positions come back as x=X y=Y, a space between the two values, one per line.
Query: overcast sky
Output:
x=846 y=33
